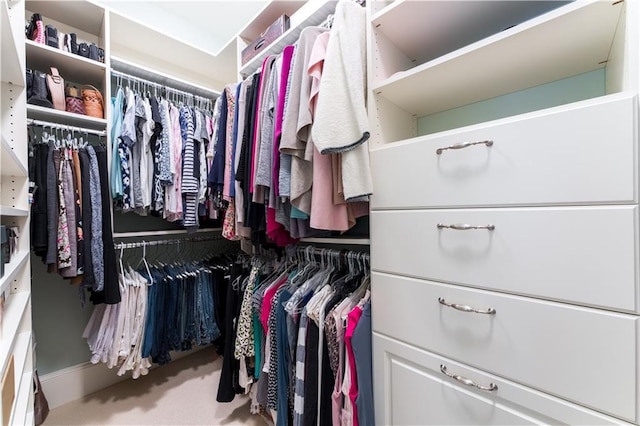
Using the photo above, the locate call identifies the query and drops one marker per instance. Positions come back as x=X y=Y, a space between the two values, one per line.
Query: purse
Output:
x=93 y=101
x=94 y=52
x=51 y=36
x=83 y=50
x=73 y=100
x=35 y=29
x=39 y=91
x=40 y=403
x=55 y=83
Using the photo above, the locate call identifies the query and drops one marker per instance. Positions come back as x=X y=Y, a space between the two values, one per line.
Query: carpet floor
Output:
x=182 y=392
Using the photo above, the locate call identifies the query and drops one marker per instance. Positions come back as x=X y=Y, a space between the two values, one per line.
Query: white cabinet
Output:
x=504 y=237
x=411 y=388
x=15 y=284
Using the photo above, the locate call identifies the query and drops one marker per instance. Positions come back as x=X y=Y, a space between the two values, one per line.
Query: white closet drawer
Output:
x=410 y=389
x=584 y=355
x=575 y=154
x=586 y=255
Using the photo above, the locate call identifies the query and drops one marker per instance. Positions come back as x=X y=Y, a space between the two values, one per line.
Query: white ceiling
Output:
x=206 y=25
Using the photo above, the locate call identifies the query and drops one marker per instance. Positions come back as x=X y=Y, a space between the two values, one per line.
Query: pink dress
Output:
x=353 y=318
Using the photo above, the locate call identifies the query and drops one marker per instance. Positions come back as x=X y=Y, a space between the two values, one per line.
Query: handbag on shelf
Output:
x=94 y=52
x=35 y=30
x=55 y=83
x=73 y=100
x=83 y=50
x=93 y=101
x=51 y=36
x=73 y=43
x=39 y=91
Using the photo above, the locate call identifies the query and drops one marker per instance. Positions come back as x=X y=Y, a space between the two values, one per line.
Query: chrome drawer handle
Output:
x=465 y=308
x=463 y=145
x=465 y=226
x=491 y=388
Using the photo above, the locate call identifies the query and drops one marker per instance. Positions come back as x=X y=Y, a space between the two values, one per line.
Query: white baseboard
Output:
x=75 y=382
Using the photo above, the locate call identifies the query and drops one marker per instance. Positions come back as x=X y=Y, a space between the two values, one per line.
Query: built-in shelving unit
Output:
x=459 y=92
x=498 y=65
x=487 y=60
x=15 y=283
x=301 y=15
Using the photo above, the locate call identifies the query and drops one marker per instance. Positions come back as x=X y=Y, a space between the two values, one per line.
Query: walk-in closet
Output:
x=321 y=212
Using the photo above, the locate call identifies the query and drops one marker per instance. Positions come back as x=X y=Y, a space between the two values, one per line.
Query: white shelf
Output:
x=160 y=233
x=14 y=309
x=11 y=69
x=10 y=164
x=12 y=269
x=72 y=68
x=66 y=118
x=565 y=42
x=12 y=211
x=430 y=29
x=312 y=13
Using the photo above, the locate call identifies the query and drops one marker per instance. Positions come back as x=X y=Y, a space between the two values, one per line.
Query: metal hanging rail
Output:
x=127 y=70
x=141 y=244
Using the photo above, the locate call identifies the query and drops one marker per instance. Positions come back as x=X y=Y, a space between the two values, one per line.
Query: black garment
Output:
x=157 y=130
x=230 y=375
x=85 y=170
x=38 y=175
x=310 y=415
x=111 y=292
x=243 y=174
x=216 y=174
x=220 y=306
x=52 y=209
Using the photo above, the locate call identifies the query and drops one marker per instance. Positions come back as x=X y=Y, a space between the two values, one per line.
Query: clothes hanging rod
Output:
x=328 y=252
x=32 y=122
x=158 y=233
x=153 y=77
x=158 y=85
x=139 y=244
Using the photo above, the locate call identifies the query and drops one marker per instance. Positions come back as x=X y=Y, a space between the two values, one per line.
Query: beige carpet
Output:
x=180 y=393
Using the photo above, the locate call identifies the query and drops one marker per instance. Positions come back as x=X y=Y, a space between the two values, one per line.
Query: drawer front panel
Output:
x=585 y=255
x=582 y=153
x=584 y=355
x=410 y=389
